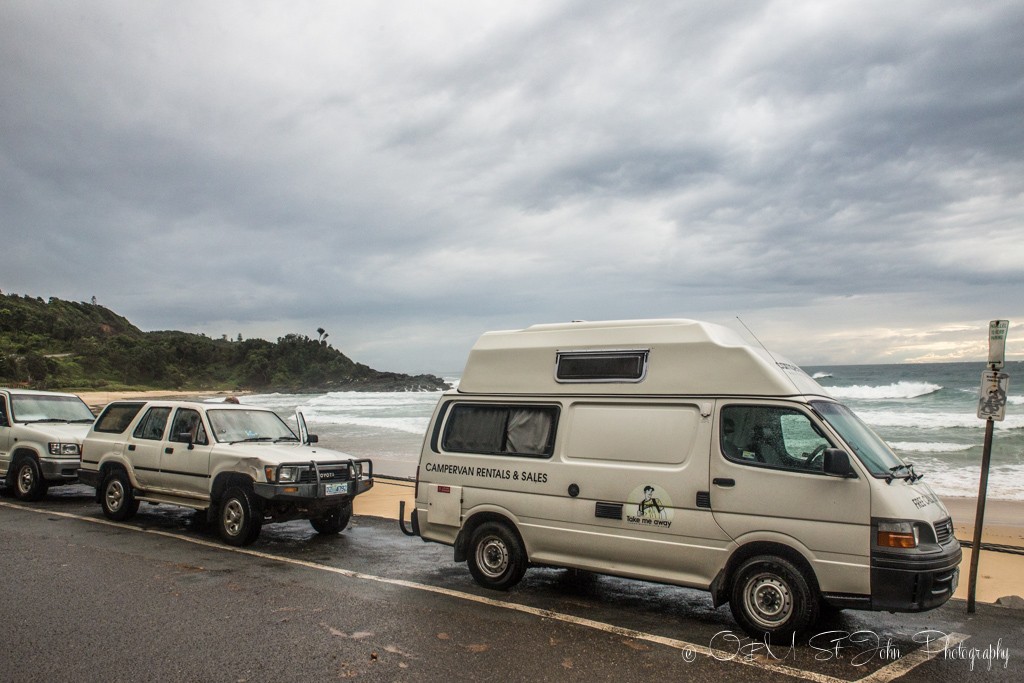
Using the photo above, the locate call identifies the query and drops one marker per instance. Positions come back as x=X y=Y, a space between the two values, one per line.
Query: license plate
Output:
x=335 y=489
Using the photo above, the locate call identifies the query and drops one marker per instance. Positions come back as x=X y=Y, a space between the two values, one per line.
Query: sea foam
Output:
x=888 y=391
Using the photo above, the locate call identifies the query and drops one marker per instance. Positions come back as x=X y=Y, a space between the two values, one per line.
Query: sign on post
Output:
x=992 y=396
x=997 y=330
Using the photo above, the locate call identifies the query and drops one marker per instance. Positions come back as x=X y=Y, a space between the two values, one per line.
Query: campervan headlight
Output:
x=66 y=449
x=897 y=535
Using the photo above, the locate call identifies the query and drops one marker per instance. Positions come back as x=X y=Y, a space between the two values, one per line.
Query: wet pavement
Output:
x=161 y=598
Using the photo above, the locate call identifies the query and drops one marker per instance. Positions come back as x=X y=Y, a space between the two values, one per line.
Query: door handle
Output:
x=131 y=447
x=168 y=450
x=724 y=483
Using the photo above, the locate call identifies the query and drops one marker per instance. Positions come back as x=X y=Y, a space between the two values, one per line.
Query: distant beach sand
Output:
x=96 y=400
x=999 y=574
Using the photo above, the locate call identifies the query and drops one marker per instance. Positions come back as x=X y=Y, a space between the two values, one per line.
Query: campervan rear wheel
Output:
x=496 y=559
x=772 y=597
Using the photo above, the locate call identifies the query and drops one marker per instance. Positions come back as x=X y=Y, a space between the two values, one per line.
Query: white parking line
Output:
x=887 y=673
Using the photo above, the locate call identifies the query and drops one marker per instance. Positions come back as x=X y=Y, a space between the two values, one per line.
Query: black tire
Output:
x=771 y=597
x=28 y=481
x=116 y=496
x=497 y=559
x=239 y=517
x=333 y=522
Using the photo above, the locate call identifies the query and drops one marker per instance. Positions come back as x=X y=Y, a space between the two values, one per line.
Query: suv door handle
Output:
x=168 y=450
x=131 y=447
x=725 y=483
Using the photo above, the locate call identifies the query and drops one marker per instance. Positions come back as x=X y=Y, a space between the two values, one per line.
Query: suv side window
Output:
x=772 y=436
x=152 y=424
x=188 y=421
x=116 y=418
x=3 y=412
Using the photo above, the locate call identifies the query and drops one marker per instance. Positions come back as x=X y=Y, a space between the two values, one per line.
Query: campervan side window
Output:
x=495 y=429
x=601 y=366
x=770 y=436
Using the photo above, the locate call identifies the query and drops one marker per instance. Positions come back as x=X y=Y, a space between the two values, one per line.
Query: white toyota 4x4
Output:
x=243 y=465
x=40 y=439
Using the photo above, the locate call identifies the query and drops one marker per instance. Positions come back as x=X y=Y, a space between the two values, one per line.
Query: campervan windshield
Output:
x=868 y=446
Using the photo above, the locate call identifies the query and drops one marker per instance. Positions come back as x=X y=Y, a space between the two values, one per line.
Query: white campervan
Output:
x=675 y=451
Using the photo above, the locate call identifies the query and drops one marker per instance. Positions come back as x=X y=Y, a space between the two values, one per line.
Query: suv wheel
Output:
x=28 y=480
x=239 y=519
x=334 y=521
x=117 y=499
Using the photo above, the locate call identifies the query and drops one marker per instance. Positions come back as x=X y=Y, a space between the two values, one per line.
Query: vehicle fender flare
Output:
x=477 y=516
x=224 y=480
x=762 y=543
x=108 y=465
x=22 y=450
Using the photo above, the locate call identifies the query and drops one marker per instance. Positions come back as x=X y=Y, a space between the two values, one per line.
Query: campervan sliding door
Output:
x=639 y=466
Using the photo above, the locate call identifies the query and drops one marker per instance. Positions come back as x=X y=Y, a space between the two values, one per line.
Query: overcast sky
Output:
x=846 y=177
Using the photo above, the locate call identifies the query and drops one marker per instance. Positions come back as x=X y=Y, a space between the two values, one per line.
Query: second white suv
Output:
x=242 y=465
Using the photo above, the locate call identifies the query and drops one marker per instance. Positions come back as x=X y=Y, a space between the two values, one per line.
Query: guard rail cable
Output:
x=995 y=547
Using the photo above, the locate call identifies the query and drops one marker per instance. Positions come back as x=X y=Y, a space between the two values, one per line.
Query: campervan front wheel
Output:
x=772 y=597
x=496 y=558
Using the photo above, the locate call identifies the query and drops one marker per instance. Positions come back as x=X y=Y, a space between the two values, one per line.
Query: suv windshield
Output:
x=248 y=425
x=868 y=446
x=33 y=408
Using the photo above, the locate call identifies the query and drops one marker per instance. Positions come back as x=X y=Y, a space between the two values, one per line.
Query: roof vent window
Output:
x=601 y=366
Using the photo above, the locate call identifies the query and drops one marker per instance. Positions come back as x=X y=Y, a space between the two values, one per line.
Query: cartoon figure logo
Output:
x=653 y=507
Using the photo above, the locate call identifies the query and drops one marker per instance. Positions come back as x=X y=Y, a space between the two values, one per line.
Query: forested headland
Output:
x=70 y=345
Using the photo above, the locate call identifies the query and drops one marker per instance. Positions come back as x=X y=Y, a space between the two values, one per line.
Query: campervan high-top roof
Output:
x=643 y=357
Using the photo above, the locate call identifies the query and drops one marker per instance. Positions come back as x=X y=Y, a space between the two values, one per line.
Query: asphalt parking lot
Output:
x=161 y=598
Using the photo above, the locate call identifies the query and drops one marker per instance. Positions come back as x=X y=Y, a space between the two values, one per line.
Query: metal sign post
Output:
x=991 y=407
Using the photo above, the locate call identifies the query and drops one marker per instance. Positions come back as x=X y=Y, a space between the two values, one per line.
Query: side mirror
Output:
x=836 y=463
x=185 y=437
x=312 y=438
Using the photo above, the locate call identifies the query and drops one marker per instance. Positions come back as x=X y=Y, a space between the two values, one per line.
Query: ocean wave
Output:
x=821 y=375
x=889 y=391
x=918 y=420
x=411 y=425
x=1005 y=481
x=919 y=447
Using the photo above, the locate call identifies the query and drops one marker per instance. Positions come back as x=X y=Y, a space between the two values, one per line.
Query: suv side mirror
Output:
x=312 y=438
x=837 y=463
x=185 y=437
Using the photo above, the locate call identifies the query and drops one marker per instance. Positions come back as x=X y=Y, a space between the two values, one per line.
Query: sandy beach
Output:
x=999 y=574
x=97 y=400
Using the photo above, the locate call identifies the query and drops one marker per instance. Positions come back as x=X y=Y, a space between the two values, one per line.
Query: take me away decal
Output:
x=649 y=505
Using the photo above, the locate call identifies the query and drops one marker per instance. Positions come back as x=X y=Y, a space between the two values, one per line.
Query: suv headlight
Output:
x=897 y=535
x=57 y=448
x=357 y=470
x=284 y=475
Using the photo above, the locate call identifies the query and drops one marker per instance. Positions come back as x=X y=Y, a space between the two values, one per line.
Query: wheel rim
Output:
x=26 y=478
x=233 y=516
x=492 y=557
x=115 y=495
x=768 y=600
